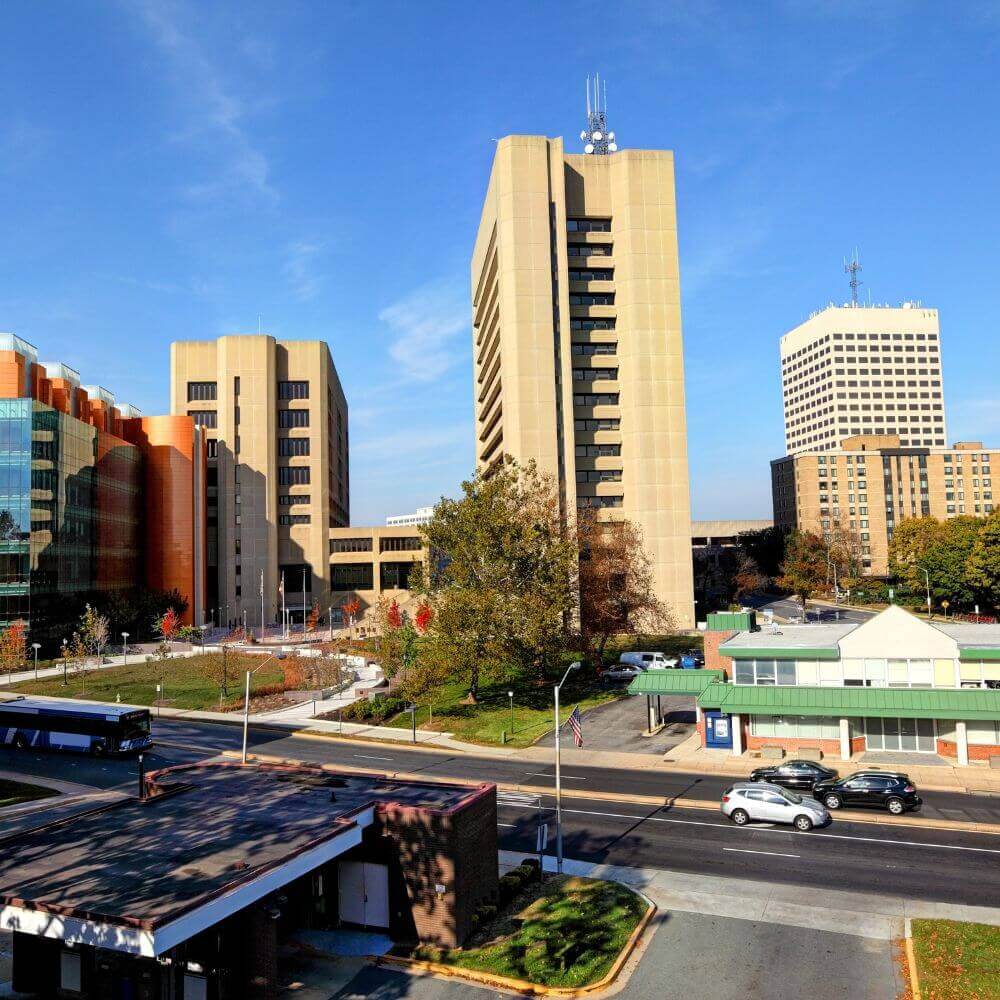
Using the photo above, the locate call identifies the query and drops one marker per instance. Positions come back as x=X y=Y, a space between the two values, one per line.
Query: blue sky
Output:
x=177 y=170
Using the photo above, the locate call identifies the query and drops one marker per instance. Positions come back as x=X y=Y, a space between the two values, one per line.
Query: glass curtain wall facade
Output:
x=70 y=511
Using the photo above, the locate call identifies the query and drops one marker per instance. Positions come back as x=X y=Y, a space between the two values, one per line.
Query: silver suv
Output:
x=761 y=800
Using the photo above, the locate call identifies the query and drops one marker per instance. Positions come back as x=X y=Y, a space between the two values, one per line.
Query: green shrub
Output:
x=487 y=913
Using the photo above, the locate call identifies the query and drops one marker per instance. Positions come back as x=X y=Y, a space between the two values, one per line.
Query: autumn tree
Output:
x=748 y=578
x=983 y=563
x=168 y=625
x=804 y=569
x=13 y=647
x=312 y=619
x=94 y=632
x=500 y=579
x=926 y=550
x=615 y=581
x=766 y=546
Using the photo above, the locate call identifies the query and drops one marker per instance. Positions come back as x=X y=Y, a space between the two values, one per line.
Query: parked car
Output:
x=882 y=789
x=693 y=659
x=748 y=801
x=621 y=672
x=649 y=661
x=799 y=775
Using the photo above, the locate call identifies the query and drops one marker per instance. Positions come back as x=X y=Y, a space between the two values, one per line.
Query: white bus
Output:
x=87 y=727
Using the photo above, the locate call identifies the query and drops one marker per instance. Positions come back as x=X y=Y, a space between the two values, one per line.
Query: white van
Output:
x=649 y=661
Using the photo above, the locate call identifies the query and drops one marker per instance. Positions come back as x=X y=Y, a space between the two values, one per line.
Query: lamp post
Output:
x=412 y=709
x=246 y=700
x=125 y=647
x=65 y=662
x=36 y=647
x=559 y=846
x=510 y=694
x=927 y=578
x=329 y=612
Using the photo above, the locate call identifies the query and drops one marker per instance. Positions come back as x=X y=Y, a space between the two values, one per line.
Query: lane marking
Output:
x=542 y=774
x=370 y=757
x=512 y=826
x=812 y=833
x=770 y=854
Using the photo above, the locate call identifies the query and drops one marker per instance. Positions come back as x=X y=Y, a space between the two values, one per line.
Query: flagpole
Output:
x=559 y=845
x=261 y=605
x=284 y=612
x=303 y=602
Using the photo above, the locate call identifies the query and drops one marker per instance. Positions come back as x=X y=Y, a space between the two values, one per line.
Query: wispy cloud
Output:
x=216 y=114
x=300 y=269
x=426 y=324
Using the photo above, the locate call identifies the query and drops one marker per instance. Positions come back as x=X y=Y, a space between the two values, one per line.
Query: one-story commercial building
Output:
x=894 y=683
x=187 y=892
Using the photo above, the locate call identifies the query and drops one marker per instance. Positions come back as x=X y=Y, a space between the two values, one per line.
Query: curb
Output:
x=911 y=959
x=522 y=986
x=640 y=800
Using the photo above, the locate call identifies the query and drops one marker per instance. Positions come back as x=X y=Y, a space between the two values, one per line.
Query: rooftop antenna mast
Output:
x=852 y=267
x=598 y=141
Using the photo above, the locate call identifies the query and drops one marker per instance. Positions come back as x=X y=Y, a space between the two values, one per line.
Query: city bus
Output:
x=87 y=727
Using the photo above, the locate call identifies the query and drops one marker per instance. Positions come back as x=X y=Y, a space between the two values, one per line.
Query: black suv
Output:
x=883 y=789
x=800 y=775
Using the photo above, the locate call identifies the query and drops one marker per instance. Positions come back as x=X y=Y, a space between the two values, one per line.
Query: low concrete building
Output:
x=189 y=891
x=368 y=563
x=895 y=683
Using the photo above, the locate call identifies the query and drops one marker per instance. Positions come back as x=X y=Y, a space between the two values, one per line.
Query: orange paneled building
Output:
x=94 y=497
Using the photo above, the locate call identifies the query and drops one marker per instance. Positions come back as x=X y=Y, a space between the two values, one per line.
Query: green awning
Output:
x=972 y=654
x=970 y=704
x=674 y=681
x=780 y=652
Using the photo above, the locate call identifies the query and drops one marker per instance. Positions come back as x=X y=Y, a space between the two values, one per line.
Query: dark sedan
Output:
x=881 y=789
x=800 y=775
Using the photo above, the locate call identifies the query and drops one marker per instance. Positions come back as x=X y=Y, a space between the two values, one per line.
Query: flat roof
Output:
x=817 y=639
x=972 y=639
x=216 y=829
x=29 y=704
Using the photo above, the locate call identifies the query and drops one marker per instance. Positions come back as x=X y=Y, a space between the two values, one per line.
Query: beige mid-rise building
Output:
x=577 y=339
x=861 y=369
x=862 y=489
x=275 y=417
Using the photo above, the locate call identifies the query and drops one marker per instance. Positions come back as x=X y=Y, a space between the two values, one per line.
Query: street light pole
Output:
x=246 y=701
x=329 y=612
x=510 y=694
x=559 y=846
x=65 y=663
x=36 y=647
x=927 y=577
x=125 y=647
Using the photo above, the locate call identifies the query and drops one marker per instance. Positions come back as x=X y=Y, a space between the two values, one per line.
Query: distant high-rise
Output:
x=577 y=337
x=276 y=420
x=860 y=369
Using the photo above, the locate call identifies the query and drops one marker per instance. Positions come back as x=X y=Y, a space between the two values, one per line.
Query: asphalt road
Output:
x=784 y=607
x=178 y=742
x=902 y=861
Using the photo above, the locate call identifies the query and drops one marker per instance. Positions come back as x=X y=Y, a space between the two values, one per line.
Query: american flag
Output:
x=576 y=724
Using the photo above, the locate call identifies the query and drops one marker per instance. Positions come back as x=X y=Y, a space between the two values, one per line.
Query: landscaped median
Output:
x=561 y=937
x=956 y=961
x=15 y=793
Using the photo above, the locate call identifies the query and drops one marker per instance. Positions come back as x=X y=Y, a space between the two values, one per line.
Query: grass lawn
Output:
x=957 y=961
x=186 y=682
x=13 y=793
x=487 y=720
x=566 y=932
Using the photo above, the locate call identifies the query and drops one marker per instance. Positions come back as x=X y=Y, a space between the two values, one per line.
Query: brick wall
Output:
x=977 y=751
x=714 y=660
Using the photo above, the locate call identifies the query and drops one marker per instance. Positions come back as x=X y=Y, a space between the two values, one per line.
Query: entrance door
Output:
x=913 y=735
x=363 y=893
x=718 y=731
